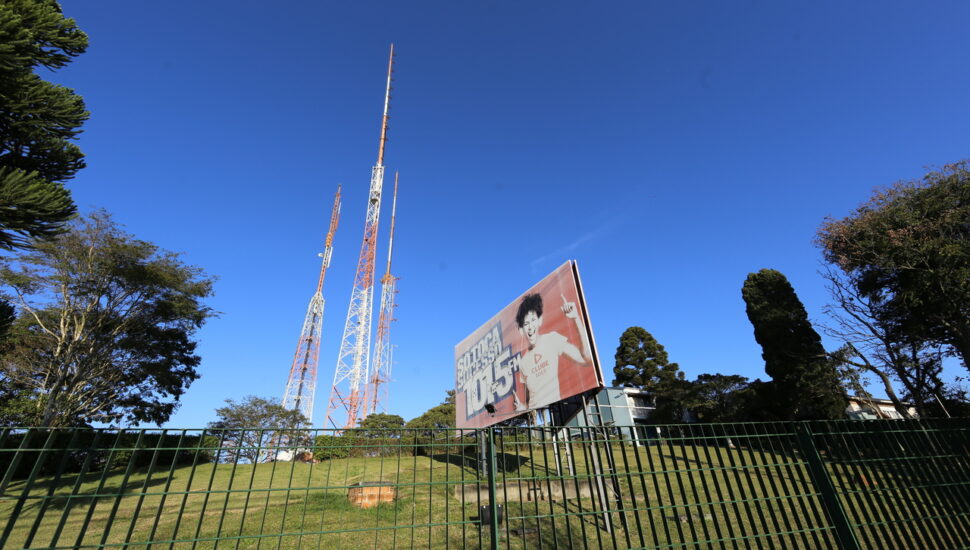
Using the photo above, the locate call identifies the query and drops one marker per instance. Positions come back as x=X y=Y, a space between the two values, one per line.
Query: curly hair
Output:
x=530 y=302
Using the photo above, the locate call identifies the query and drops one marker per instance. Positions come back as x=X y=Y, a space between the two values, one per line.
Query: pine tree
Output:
x=642 y=362
x=38 y=120
x=804 y=383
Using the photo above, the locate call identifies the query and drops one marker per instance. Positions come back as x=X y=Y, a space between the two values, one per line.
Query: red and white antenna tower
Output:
x=302 y=383
x=349 y=378
x=376 y=394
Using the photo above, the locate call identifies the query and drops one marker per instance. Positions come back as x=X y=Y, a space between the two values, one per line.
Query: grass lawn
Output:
x=667 y=495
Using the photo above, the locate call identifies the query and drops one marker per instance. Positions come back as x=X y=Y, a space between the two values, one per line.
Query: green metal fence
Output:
x=852 y=484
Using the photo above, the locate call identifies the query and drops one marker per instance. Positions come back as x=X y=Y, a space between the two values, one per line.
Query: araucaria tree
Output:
x=805 y=384
x=641 y=362
x=106 y=325
x=906 y=251
x=38 y=120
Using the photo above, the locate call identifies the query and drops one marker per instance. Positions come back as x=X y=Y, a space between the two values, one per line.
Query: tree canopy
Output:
x=380 y=425
x=805 y=384
x=906 y=251
x=437 y=417
x=873 y=346
x=38 y=121
x=106 y=325
x=720 y=397
x=254 y=428
x=642 y=362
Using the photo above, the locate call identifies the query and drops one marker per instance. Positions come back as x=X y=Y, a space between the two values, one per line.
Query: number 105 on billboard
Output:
x=535 y=352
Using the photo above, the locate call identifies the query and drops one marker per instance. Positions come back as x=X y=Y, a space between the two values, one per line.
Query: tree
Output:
x=907 y=251
x=253 y=429
x=437 y=417
x=380 y=425
x=805 y=385
x=106 y=326
x=433 y=425
x=38 y=120
x=874 y=346
x=720 y=397
x=8 y=314
x=641 y=362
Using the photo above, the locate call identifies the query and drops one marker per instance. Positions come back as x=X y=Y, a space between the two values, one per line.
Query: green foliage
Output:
x=351 y=444
x=70 y=449
x=39 y=119
x=873 y=346
x=30 y=207
x=18 y=407
x=255 y=426
x=804 y=384
x=437 y=417
x=720 y=397
x=374 y=423
x=327 y=447
x=431 y=422
x=379 y=433
x=8 y=314
x=106 y=326
x=641 y=362
x=907 y=251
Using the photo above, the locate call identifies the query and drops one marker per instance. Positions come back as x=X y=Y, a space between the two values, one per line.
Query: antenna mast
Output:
x=302 y=382
x=350 y=376
x=376 y=395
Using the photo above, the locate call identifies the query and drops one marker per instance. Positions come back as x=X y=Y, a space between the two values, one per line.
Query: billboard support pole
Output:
x=560 y=435
x=610 y=458
x=492 y=474
x=555 y=449
x=590 y=433
x=482 y=453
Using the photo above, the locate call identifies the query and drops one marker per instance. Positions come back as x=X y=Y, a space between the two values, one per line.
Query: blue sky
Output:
x=670 y=148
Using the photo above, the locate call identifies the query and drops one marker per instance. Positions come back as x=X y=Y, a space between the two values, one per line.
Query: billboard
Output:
x=538 y=350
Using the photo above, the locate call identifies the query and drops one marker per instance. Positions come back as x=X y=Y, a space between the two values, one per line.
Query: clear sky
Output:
x=671 y=148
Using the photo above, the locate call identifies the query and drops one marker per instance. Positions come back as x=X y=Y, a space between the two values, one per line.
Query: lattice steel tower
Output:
x=376 y=395
x=302 y=383
x=346 y=403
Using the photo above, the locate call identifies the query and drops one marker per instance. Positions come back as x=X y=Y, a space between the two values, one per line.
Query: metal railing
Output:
x=846 y=484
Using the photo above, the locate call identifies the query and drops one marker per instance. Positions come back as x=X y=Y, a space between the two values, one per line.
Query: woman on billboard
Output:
x=539 y=364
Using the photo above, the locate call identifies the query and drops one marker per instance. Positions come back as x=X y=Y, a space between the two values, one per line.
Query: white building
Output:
x=866 y=408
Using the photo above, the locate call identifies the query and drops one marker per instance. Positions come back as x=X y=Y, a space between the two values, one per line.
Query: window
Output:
x=641 y=401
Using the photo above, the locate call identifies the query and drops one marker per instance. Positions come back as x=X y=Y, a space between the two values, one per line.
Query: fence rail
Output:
x=847 y=484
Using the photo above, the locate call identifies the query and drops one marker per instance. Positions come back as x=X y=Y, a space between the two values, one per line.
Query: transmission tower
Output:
x=350 y=376
x=376 y=394
x=302 y=383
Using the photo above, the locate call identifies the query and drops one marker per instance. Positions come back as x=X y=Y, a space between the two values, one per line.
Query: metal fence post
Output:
x=830 y=499
x=492 y=505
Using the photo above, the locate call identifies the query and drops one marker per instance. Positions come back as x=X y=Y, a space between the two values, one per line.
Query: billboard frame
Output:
x=528 y=356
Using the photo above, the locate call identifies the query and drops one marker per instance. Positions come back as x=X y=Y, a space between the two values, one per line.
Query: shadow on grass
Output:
x=85 y=497
x=504 y=462
x=572 y=525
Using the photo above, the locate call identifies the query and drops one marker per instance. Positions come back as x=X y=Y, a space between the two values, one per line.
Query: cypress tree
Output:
x=805 y=384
